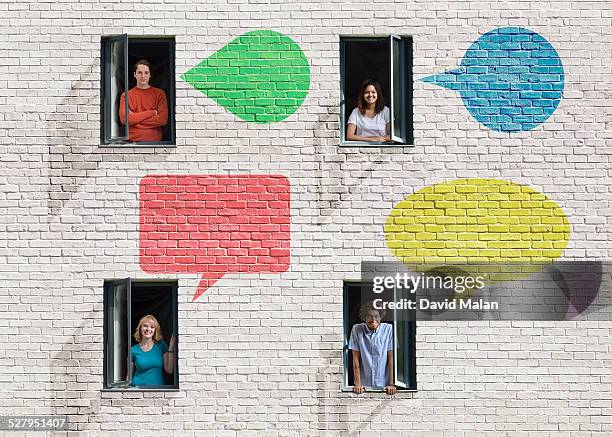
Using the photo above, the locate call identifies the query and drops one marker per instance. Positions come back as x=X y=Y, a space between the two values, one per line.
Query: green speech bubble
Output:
x=262 y=76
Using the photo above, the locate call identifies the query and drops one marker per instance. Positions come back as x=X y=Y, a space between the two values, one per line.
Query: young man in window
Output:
x=371 y=344
x=148 y=107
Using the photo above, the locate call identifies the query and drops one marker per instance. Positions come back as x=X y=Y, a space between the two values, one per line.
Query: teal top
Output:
x=149 y=365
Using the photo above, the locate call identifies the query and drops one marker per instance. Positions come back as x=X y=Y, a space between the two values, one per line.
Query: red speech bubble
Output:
x=214 y=224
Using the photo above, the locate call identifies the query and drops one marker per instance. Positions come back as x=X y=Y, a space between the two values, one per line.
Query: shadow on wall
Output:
x=65 y=366
x=331 y=414
x=331 y=190
x=73 y=158
x=73 y=155
x=334 y=408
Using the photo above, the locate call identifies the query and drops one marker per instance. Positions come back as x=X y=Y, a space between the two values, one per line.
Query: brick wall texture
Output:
x=261 y=353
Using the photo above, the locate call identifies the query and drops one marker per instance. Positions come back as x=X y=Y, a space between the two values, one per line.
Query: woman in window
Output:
x=369 y=121
x=151 y=354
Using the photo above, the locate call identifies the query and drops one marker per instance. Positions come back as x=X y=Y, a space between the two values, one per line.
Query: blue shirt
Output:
x=373 y=347
x=149 y=365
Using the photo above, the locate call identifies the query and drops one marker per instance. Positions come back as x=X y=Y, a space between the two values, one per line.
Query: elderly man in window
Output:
x=371 y=344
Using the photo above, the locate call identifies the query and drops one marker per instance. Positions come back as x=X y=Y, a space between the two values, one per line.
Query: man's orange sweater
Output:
x=144 y=124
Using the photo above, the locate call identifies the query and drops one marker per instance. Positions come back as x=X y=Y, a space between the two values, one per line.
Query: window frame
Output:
x=406 y=90
x=109 y=337
x=105 y=78
x=109 y=342
x=408 y=351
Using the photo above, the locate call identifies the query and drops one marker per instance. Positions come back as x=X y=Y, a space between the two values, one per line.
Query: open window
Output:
x=119 y=54
x=388 y=61
x=125 y=303
x=404 y=339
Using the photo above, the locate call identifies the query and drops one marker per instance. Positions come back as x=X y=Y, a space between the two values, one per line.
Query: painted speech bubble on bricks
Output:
x=510 y=79
x=214 y=224
x=261 y=77
x=477 y=220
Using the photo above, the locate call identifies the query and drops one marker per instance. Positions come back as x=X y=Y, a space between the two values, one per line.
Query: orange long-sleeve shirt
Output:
x=144 y=124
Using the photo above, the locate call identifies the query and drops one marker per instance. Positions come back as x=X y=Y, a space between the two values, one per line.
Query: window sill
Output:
x=373 y=144
x=167 y=144
x=140 y=389
x=376 y=390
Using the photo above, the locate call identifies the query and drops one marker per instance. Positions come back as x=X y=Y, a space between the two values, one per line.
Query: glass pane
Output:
x=401 y=363
x=363 y=59
x=352 y=293
x=401 y=354
x=116 y=83
x=119 y=331
x=159 y=301
x=396 y=85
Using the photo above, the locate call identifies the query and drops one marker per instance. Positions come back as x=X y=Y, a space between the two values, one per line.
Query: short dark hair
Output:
x=367 y=307
x=142 y=62
x=380 y=100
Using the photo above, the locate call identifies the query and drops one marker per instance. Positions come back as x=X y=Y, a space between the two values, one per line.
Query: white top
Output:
x=370 y=127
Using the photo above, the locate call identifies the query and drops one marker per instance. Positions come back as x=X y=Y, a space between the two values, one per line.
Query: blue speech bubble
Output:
x=511 y=79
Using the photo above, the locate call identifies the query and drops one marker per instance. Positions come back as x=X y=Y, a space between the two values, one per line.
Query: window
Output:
x=388 y=61
x=148 y=123
x=404 y=340
x=125 y=303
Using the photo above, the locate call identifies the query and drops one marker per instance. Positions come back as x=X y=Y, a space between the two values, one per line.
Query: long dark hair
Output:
x=380 y=100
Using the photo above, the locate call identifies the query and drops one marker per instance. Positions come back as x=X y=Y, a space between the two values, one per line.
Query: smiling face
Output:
x=372 y=319
x=370 y=95
x=142 y=76
x=147 y=329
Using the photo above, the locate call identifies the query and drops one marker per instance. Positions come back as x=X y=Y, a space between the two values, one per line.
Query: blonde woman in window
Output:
x=369 y=121
x=151 y=354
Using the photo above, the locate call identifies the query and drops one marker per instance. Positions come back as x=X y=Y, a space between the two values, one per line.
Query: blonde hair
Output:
x=157 y=337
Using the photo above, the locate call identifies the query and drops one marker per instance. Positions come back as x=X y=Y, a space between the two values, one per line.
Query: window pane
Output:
x=397 y=81
x=160 y=54
x=395 y=50
x=119 y=331
x=398 y=343
x=403 y=345
x=404 y=332
x=115 y=84
x=401 y=354
x=352 y=301
x=363 y=59
x=157 y=300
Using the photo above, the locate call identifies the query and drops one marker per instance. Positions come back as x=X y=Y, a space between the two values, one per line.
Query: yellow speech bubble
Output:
x=472 y=221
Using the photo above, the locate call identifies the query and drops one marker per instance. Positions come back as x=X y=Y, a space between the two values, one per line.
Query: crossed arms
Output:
x=149 y=119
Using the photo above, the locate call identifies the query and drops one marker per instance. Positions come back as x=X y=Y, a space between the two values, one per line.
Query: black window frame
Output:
x=106 y=104
x=123 y=384
x=407 y=346
x=405 y=90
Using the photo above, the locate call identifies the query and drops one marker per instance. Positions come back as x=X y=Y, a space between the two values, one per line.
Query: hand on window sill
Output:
x=379 y=139
x=390 y=389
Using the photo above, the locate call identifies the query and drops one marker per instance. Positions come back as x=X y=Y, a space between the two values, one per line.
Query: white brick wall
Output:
x=69 y=220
